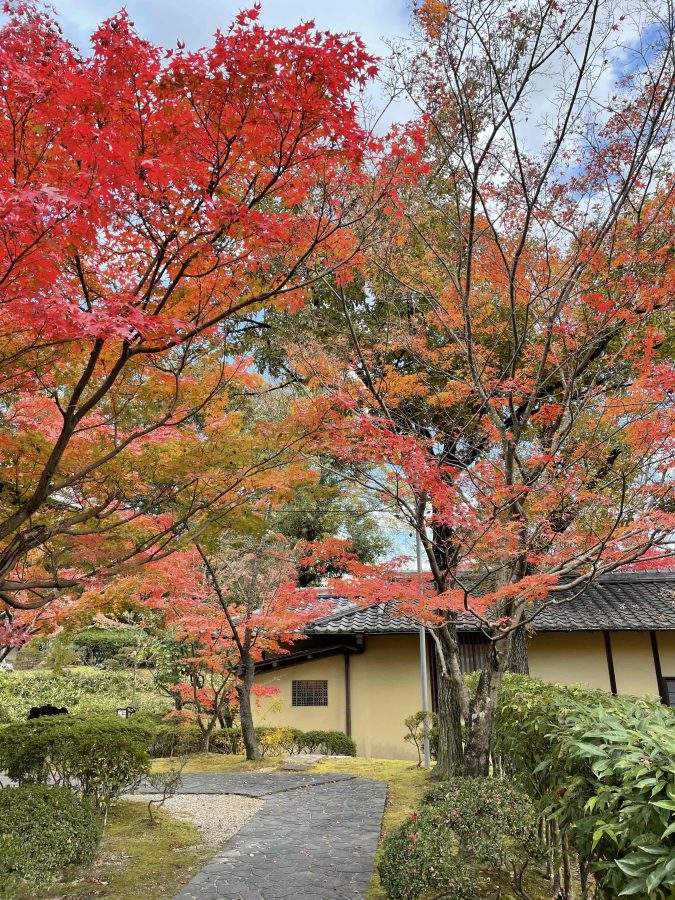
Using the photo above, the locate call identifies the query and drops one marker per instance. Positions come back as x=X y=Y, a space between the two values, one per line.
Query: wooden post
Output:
x=348 y=697
x=610 y=662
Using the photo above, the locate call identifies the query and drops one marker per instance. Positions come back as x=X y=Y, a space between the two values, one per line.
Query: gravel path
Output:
x=218 y=817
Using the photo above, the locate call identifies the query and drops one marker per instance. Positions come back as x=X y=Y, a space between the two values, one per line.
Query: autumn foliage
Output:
x=152 y=201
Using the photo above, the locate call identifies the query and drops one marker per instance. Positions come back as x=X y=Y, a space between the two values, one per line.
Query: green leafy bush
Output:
x=96 y=645
x=417 y=858
x=604 y=768
x=99 y=757
x=494 y=820
x=172 y=740
x=329 y=742
x=177 y=740
x=487 y=822
x=42 y=830
x=277 y=740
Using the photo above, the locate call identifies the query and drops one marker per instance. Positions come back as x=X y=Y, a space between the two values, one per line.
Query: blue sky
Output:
x=194 y=21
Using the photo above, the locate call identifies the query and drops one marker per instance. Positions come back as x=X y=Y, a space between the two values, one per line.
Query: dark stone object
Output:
x=48 y=709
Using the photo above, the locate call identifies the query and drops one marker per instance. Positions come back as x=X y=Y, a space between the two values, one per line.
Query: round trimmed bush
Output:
x=101 y=757
x=488 y=823
x=419 y=856
x=43 y=830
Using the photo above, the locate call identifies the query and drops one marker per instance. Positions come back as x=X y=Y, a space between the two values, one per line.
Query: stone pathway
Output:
x=314 y=838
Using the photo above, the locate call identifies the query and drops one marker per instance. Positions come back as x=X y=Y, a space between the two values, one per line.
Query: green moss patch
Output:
x=136 y=860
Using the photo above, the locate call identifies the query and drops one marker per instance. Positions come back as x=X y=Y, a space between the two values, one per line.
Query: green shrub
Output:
x=487 y=822
x=177 y=740
x=227 y=740
x=604 y=768
x=100 y=757
x=417 y=858
x=277 y=740
x=494 y=820
x=42 y=830
x=172 y=740
x=98 y=645
x=329 y=742
x=81 y=690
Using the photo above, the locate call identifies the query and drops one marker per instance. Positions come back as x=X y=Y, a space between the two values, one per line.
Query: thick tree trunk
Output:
x=449 y=750
x=206 y=736
x=246 y=713
x=452 y=699
x=518 y=659
x=482 y=709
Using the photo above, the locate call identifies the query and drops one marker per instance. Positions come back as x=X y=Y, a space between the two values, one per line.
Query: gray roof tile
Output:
x=626 y=601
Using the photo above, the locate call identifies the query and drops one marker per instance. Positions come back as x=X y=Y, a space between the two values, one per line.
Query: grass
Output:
x=136 y=860
x=215 y=762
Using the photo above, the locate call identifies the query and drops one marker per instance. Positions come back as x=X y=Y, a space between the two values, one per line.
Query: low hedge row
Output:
x=172 y=740
x=602 y=768
x=43 y=830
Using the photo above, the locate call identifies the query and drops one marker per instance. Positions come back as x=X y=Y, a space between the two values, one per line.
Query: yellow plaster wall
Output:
x=385 y=689
x=278 y=710
x=666 y=644
x=569 y=658
x=634 y=663
x=580 y=658
x=385 y=682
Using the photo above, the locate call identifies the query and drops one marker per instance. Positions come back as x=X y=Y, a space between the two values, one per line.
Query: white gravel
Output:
x=217 y=816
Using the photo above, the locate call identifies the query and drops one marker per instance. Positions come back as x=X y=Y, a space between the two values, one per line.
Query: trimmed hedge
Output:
x=43 y=830
x=100 y=757
x=603 y=768
x=174 y=740
x=96 y=645
x=486 y=823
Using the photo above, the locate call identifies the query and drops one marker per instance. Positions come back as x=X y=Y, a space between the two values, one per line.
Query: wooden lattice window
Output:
x=669 y=691
x=310 y=693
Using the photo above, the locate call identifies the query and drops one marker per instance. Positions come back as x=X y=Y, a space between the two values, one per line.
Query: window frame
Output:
x=309 y=692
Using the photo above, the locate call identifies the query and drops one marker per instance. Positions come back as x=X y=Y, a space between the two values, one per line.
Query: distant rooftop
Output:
x=624 y=601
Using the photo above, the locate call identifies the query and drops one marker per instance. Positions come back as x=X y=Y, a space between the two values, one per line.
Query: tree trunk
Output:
x=568 y=884
x=518 y=659
x=244 y=686
x=449 y=750
x=226 y=718
x=482 y=711
x=206 y=736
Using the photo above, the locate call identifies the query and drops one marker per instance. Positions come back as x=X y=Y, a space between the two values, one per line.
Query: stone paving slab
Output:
x=251 y=784
x=314 y=839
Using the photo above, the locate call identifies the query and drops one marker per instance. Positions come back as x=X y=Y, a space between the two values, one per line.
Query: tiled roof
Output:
x=626 y=601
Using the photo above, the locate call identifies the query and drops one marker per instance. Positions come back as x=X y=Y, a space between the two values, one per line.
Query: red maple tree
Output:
x=505 y=376
x=152 y=202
